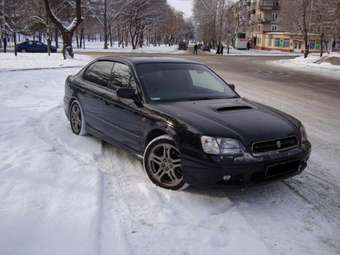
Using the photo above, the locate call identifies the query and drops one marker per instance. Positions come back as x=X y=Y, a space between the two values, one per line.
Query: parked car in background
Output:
x=182 y=45
x=206 y=47
x=188 y=125
x=34 y=46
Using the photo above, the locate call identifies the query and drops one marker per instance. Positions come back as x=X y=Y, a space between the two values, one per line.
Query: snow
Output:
x=310 y=65
x=99 y=47
x=65 y=194
x=29 y=61
x=256 y=52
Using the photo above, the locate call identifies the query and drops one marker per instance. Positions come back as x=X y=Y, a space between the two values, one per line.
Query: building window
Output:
x=275 y=28
x=277 y=43
x=312 y=44
x=286 y=43
x=274 y=16
x=258 y=39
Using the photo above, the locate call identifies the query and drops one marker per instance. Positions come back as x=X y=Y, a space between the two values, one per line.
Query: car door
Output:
x=123 y=114
x=29 y=46
x=92 y=94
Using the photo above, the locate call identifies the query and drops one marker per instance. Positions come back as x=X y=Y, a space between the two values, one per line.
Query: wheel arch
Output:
x=159 y=131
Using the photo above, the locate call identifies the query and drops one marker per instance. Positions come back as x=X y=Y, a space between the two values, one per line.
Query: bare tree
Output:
x=205 y=17
x=66 y=31
x=324 y=22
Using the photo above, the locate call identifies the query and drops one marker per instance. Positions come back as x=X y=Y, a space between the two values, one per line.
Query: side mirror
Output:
x=128 y=93
x=232 y=86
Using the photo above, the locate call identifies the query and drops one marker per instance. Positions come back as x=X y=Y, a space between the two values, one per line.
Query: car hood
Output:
x=235 y=118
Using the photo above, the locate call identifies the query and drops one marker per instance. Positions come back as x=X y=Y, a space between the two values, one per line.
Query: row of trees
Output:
x=314 y=16
x=130 y=22
x=221 y=20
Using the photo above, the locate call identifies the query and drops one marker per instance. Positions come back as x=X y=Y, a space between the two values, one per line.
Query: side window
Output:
x=122 y=76
x=99 y=72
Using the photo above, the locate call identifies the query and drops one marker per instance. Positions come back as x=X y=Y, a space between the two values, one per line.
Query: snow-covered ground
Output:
x=29 y=61
x=99 y=47
x=256 y=53
x=311 y=64
x=65 y=194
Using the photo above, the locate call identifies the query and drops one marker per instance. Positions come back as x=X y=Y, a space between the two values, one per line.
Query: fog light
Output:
x=226 y=178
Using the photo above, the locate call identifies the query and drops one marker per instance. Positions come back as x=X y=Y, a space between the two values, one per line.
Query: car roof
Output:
x=144 y=60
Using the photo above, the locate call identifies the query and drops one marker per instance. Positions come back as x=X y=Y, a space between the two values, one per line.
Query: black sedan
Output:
x=34 y=46
x=185 y=122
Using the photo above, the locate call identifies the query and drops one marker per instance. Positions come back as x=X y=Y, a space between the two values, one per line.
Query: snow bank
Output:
x=98 y=47
x=27 y=61
x=313 y=64
x=256 y=53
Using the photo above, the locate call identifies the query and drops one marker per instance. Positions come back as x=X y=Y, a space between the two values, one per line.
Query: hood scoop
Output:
x=233 y=108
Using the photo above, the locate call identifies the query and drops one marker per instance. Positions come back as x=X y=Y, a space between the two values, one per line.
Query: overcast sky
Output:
x=182 y=5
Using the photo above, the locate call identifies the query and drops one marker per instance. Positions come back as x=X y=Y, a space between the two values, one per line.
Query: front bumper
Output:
x=246 y=169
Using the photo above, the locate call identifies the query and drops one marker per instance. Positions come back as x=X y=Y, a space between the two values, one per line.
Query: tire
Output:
x=77 y=120
x=162 y=163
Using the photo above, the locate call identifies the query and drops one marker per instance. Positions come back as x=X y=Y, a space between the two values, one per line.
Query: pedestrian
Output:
x=195 y=49
x=218 y=50
x=221 y=49
x=248 y=45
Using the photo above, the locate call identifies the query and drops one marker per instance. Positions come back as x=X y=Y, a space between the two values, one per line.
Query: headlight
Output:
x=303 y=134
x=217 y=146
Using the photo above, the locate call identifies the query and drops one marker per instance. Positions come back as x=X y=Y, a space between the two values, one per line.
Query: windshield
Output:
x=181 y=82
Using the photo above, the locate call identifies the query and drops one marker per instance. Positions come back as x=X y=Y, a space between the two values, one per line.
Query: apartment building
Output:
x=267 y=26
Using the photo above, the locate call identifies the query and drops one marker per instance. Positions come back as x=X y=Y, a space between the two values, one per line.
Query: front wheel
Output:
x=162 y=163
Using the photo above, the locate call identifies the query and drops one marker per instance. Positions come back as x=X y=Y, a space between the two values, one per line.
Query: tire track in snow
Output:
x=317 y=191
x=147 y=214
x=44 y=128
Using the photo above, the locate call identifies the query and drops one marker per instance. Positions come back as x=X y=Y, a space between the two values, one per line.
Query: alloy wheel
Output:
x=76 y=118
x=165 y=165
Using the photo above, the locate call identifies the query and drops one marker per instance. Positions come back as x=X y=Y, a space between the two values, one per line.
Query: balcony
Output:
x=269 y=5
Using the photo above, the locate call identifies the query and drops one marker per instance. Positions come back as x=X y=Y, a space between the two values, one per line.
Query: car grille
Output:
x=274 y=145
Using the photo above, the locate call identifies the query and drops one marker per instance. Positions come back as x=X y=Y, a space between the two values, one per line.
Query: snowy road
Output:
x=63 y=194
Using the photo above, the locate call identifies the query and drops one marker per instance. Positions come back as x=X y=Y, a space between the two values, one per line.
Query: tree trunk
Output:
x=67 y=32
x=48 y=33
x=67 y=45
x=82 y=38
x=306 y=52
x=141 y=40
x=110 y=36
x=105 y=25
x=56 y=37
x=15 y=43
x=5 y=44
x=322 y=36
x=77 y=40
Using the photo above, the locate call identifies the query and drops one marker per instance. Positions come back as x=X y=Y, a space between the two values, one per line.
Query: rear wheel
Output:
x=77 y=120
x=163 y=165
